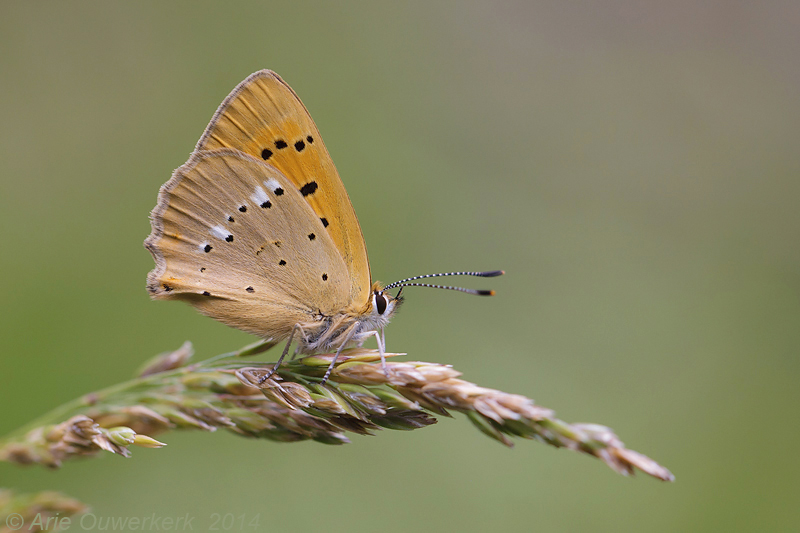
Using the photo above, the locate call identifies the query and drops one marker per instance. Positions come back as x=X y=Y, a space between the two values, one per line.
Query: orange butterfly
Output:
x=256 y=230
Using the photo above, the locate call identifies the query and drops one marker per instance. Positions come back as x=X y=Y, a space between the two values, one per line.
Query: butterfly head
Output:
x=382 y=304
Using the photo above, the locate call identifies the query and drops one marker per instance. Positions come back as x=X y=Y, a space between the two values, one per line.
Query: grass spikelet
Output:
x=293 y=405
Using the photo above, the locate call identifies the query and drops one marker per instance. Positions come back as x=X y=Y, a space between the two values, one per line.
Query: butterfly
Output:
x=256 y=230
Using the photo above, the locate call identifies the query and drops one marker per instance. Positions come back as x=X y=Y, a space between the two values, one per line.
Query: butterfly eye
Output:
x=380 y=303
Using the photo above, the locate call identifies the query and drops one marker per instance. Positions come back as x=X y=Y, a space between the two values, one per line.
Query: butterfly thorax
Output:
x=328 y=333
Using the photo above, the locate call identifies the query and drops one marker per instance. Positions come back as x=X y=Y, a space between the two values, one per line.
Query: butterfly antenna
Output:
x=404 y=282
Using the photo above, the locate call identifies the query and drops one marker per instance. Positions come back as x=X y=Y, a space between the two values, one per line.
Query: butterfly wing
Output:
x=233 y=237
x=263 y=117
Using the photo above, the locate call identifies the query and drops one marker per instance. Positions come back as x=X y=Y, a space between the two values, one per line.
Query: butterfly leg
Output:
x=269 y=374
x=383 y=358
x=381 y=338
x=336 y=356
x=305 y=338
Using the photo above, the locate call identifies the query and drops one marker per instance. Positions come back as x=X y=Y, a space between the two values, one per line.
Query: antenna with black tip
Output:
x=404 y=282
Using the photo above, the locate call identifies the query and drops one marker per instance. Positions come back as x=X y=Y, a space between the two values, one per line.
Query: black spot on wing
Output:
x=280 y=144
x=299 y=145
x=324 y=277
x=324 y=222
x=267 y=204
x=229 y=238
x=278 y=191
x=230 y=219
x=250 y=289
x=310 y=139
x=207 y=248
x=206 y=293
x=266 y=153
x=167 y=288
x=308 y=188
x=242 y=208
x=202 y=269
x=311 y=236
x=281 y=262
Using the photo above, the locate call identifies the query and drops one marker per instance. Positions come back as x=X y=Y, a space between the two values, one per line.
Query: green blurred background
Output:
x=634 y=168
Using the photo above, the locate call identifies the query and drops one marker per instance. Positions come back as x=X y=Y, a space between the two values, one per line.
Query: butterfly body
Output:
x=256 y=230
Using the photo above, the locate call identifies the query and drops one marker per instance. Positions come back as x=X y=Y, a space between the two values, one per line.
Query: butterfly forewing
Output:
x=264 y=118
x=233 y=237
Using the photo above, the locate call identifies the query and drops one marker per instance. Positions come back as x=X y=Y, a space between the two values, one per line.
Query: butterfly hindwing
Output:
x=234 y=237
x=263 y=117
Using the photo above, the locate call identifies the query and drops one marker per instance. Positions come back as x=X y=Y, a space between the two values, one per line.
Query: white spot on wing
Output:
x=259 y=196
x=220 y=232
x=273 y=184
